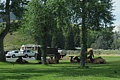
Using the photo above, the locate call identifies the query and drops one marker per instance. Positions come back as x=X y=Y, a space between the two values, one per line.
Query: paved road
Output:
x=14 y=59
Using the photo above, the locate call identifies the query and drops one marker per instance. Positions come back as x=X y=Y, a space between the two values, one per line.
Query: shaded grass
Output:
x=63 y=71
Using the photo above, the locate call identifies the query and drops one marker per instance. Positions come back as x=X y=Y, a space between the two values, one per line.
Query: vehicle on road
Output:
x=13 y=54
x=26 y=53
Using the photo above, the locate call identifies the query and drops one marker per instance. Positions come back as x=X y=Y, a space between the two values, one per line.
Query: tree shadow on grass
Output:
x=14 y=76
x=63 y=69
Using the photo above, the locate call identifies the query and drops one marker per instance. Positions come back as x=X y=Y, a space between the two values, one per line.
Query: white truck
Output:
x=62 y=52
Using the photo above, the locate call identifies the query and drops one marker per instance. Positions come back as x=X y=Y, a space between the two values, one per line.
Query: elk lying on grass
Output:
x=21 y=61
x=51 y=61
x=76 y=59
x=98 y=60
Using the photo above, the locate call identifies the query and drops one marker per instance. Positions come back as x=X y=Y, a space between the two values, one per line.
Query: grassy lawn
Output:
x=63 y=71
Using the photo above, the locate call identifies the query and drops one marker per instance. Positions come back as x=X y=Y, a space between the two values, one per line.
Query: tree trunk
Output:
x=38 y=55
x=44 y=45
x=84 y=38
x=2 y=55
x=44 y=37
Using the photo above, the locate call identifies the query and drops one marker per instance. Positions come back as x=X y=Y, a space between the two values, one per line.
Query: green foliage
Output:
x=37 y=17
x=76 y=32
x=62 y=18
x=91 y=37
x=2 y=27
x=103 y=39
x=99 y=13
x=69 y=44
x=14 y=25
x=18 y=7
x=116 y=41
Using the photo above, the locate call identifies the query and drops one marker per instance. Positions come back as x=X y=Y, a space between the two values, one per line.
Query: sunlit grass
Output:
x=62 y=71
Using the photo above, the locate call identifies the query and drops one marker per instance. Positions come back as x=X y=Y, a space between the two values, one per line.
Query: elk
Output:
x=98 y=60
x=51 y=61
x=90 y=52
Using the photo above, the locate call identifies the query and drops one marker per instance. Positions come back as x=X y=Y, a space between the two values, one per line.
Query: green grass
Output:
x=63 y=71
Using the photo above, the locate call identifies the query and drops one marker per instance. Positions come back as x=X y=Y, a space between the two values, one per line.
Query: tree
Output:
x=45 y=18
x=91 y=15
x=5 y=31
x=5 y=8
x=39 y=20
